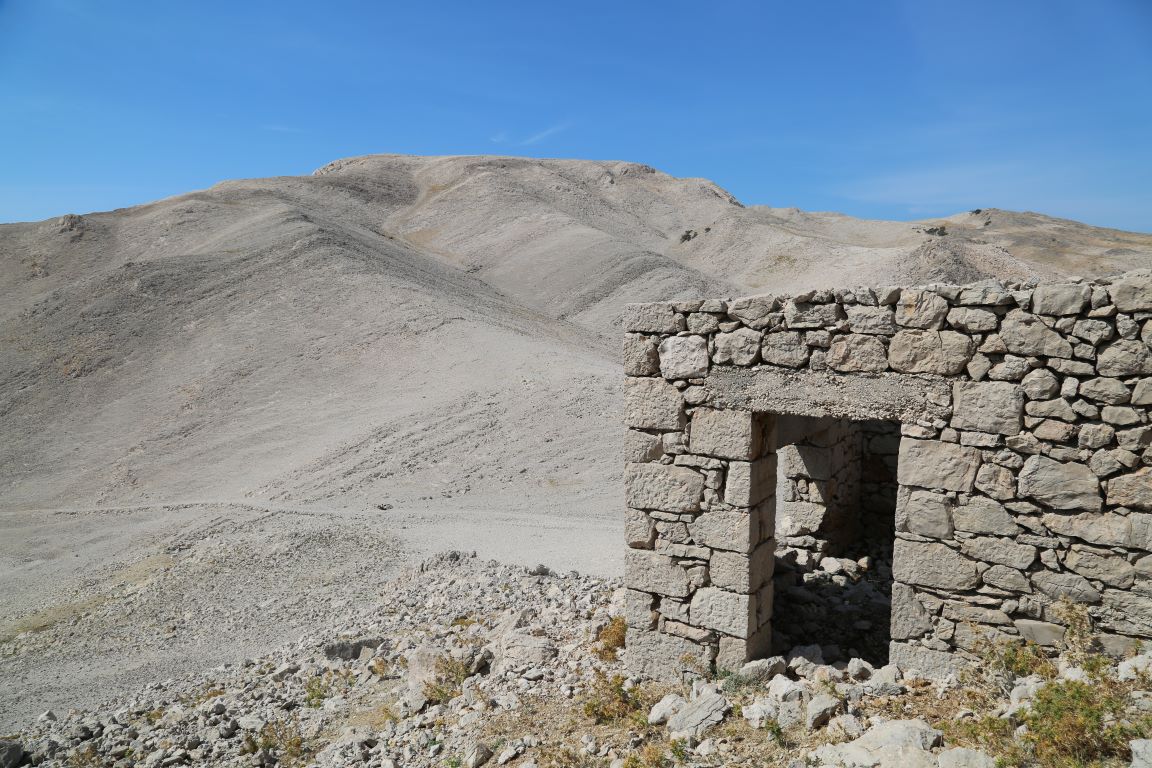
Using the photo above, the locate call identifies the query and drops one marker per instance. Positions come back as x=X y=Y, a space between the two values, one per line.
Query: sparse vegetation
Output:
x=611 y=638
x=609 y=700
x=450 y=676
x=283 y=739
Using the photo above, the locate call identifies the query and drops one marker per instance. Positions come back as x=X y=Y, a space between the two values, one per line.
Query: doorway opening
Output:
x=835 y=527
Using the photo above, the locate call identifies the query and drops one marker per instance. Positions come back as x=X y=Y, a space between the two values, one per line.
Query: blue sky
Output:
x=885 y=109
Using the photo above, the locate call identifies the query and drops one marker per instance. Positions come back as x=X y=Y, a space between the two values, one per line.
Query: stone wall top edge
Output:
x=948 y=291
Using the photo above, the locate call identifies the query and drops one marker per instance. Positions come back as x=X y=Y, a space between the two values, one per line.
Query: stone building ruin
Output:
x=964 y=457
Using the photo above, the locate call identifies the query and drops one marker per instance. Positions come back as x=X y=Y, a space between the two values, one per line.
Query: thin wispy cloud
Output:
x=500 y=137
x=548 y=132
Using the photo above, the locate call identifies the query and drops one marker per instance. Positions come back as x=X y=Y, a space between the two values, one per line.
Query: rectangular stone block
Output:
x=728 y=612
x=933 y=565
x=725 y=434
x=655 y=404
x=665 y=657
x=750 y=482
x=638 y=609
x=663 y=487
x=651 y=572
x=733 y=530
x=737 y=572
x=994 y=406
x=935 y=464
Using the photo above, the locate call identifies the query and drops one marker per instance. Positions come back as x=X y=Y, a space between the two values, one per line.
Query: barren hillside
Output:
x=256 y=400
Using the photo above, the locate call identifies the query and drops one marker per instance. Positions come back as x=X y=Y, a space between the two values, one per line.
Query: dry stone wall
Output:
x=1023 y=464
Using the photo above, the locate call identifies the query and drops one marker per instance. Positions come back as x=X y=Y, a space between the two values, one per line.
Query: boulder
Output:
x=1133 y=291
x=652 y=318
x=641 y=355
x=786 y=348
x=921 y=309
x=1024 y=333
x=1132 y=490
x=1060 y=298
x=698 y=716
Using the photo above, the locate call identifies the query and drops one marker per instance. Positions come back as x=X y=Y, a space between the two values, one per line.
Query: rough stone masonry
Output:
x=1023 y=464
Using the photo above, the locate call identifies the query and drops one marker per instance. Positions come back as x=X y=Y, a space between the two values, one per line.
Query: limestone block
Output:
x=652 y=318
x=1060 y=298
x=730 y=529
x=638 y=609
x=992 y=549
x=640 y=446
x=799 y=314
x=970 y=320
x=933 y=565
x=921 y=309
x=997 y=482
x=663 y=487
x=993 y=406
x=755 y=312
x=725 y=434
x=1127 y=612
x=641 y=355
x=1103 y=390
x=1056 y=408
x=810 y=461
x=941 y=352
x=909 y=618
x=1070 y=585
x=737 y=572
x=653 y=572
x=1106 y=529
x=740 y=347
x=1101 y=565
x=653 y=404
x=1132 y=490
x=684 y=357
x=875 y=320
x=639 y=529
x=1142 y=393
x=1040 y=632
x=962 y=612
x=1124 y=358
x=982 y=515
x=1040 y=384
x=663 y=657
x=926 y=514
x=857 y=353
x=799 y=518
x=1093 y=331
x=1060 y=485
x=1008 y=579
x=1024 y=334
x=750 y=482
x=785 y=348
x=1133 y=291
x=1095 y=436
x=935 y=464
x=728 y=612
x=932 y=664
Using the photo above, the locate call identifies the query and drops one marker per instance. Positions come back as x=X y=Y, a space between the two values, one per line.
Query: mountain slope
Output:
x=397 y=327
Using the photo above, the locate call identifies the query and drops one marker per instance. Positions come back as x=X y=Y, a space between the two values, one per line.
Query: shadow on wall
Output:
x=835 y=526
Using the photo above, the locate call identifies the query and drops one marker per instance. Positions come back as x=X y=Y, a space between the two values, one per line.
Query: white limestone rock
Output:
x=936 y=464
x=663 y=487
x=1060 y=485
x=930 y=564
x=684 y=357
x=651 y=403
x=945 y=353
x=740 y=347
x=995 y=407
x=857 y=353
